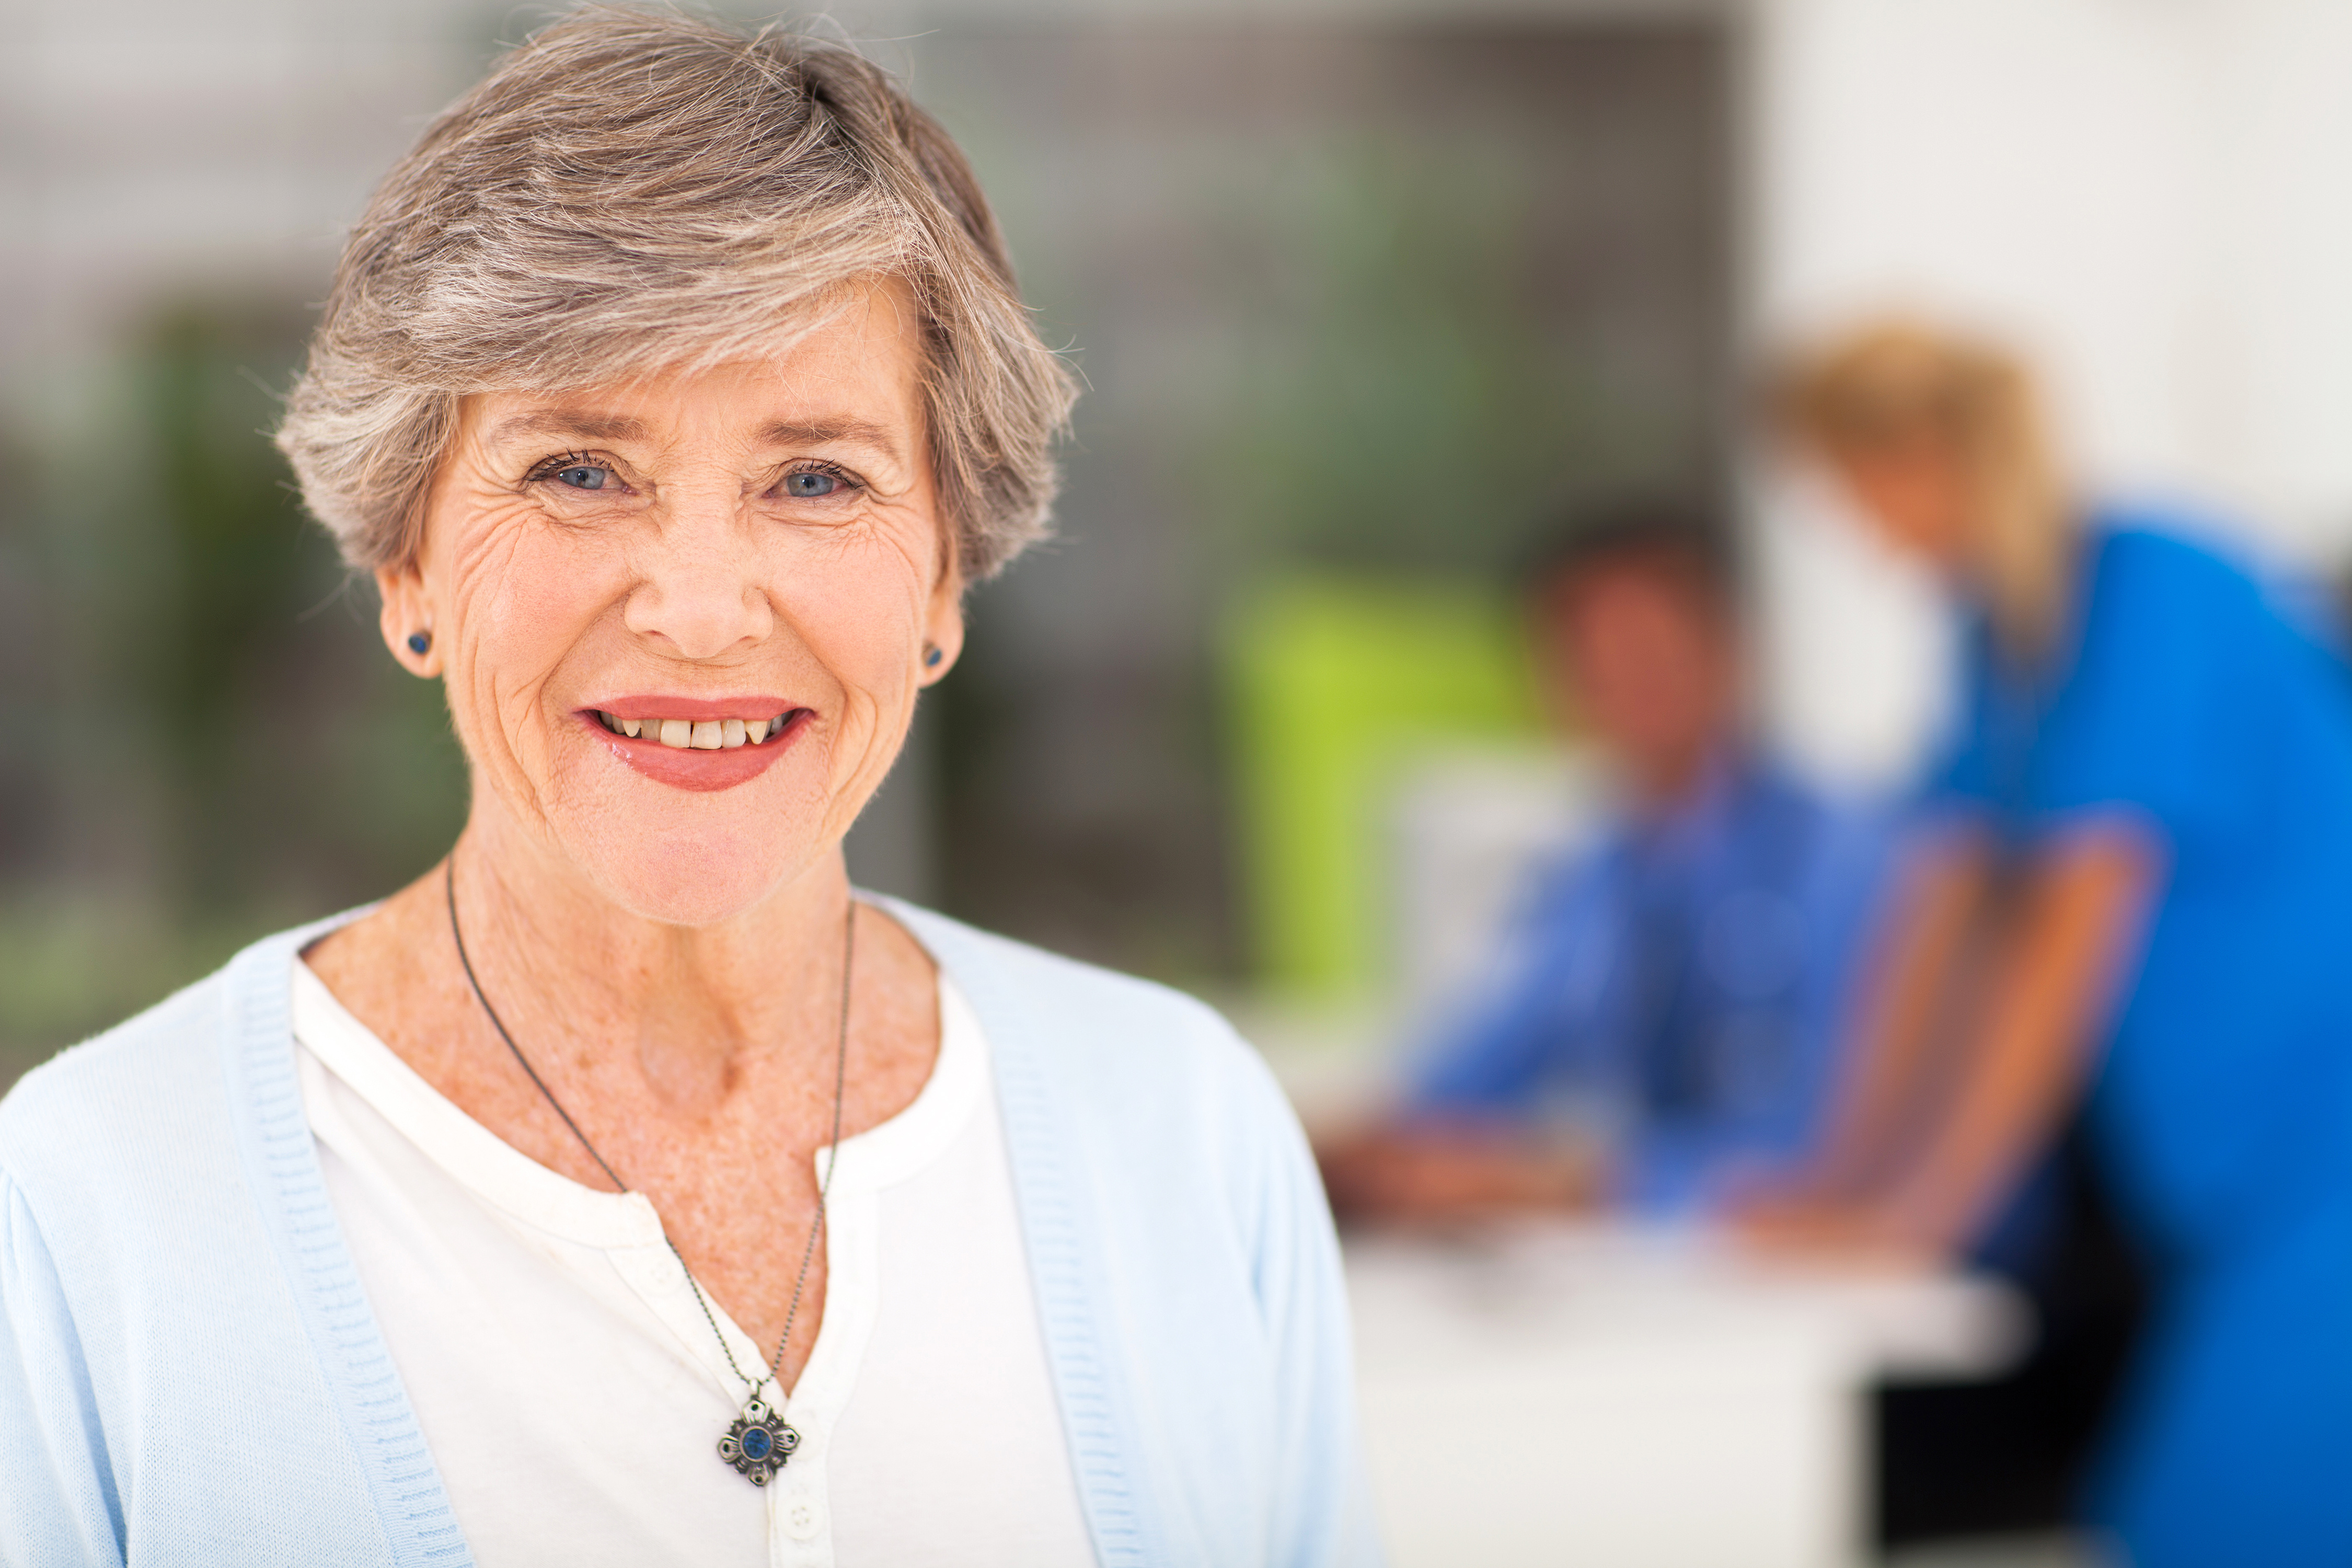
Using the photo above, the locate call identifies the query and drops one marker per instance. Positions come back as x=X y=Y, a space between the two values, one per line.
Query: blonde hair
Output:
x=1900 y=384
x=632 y=191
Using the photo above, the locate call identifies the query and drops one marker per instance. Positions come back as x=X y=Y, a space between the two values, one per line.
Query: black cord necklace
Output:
x=760 y=1440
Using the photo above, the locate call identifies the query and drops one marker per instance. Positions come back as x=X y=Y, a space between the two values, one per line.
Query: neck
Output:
x=601 y=989
x=1663 y=785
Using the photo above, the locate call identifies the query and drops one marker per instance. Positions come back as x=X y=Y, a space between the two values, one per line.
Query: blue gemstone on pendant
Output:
x=756 y=1443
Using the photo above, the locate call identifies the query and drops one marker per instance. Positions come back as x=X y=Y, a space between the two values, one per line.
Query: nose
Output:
x=698 y=592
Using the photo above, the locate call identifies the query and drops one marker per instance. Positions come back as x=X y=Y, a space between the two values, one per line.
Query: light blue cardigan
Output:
x=190 y=1372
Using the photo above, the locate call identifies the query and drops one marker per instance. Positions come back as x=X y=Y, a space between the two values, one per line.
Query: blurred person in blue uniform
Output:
x=1677 y=981
x=2136 y=899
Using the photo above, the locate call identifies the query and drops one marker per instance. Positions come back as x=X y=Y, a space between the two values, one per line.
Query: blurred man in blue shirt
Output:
x=1677 y=982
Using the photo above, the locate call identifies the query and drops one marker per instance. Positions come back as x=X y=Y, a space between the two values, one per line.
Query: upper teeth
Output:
x=703 y=735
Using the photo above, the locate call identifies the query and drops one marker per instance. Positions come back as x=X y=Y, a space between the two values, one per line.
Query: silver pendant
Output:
x=759 y=1443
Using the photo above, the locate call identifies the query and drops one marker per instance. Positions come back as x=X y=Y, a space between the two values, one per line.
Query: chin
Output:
x=688 y=859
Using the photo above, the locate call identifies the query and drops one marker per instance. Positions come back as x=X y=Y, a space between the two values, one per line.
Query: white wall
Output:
x=2153 y=197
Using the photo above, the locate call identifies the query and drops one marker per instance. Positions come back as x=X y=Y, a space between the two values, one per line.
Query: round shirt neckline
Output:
x=479 y=1159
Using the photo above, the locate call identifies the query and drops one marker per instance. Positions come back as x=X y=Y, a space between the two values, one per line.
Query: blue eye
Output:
x=810 y=483
x=583 y=476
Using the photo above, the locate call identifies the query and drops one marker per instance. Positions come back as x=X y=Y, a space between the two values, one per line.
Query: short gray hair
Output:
x=633 y=191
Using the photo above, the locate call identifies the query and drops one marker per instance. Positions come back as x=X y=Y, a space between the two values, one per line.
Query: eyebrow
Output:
x=568 y=422
x=579 y=424
x=817 y=432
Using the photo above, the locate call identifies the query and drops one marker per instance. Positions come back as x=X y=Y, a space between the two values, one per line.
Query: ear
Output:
x=406 y=613
x=943 y=625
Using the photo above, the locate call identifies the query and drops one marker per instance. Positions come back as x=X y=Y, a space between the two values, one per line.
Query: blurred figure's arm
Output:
x=1458 y=1169
x=2082 y=915
x=1937 y=911
x=1932 y=1138
x=1467 y=1142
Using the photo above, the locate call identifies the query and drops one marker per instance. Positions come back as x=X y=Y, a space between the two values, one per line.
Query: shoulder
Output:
x=2171 y=561
x=1763 y=789
x=1830 y=823
x=125 y=1180
x=2171 y=611
x=155 y=1285
x=138 y=1081
x=1045 y=976
x=145 y=1113
x=1567 y=885
x=2180 y=589
x=1152 y=1088
x=1121 y=1026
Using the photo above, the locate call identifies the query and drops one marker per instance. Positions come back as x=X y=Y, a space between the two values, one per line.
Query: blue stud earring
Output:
x=418 y=642
x=931 y=656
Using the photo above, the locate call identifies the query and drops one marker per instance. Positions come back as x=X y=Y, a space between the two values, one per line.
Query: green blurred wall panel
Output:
x=1333 y=686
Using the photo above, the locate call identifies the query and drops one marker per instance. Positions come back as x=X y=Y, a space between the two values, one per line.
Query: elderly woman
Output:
x=629 y=1190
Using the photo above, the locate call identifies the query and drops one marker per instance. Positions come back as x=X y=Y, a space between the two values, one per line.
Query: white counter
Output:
x=1601 y=1396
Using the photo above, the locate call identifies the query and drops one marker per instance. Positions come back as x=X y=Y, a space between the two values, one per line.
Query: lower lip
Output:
x=683 y=767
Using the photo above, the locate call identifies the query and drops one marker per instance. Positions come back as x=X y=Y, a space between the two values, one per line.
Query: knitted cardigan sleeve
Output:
x=58 y=1504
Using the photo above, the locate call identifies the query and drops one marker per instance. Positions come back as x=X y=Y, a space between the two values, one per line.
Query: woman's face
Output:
x=1915 y=492
x=682 y=621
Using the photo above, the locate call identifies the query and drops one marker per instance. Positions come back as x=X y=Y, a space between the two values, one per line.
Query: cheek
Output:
x=526 y=579
x=1906 y=501
x=1635 y=680
x=1614 y=691
x=526 y=594
x=861 y=614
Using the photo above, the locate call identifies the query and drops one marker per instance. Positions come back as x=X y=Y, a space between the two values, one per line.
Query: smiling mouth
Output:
x=699 y=734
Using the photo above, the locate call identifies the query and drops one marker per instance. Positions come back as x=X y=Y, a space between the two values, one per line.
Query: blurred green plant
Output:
x=237 y=751
x=1409 y=400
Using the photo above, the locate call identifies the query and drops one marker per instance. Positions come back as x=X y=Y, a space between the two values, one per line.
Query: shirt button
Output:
x=802 y=1519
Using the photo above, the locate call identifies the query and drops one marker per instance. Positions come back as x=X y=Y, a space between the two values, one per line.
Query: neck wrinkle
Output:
x=586 y=986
